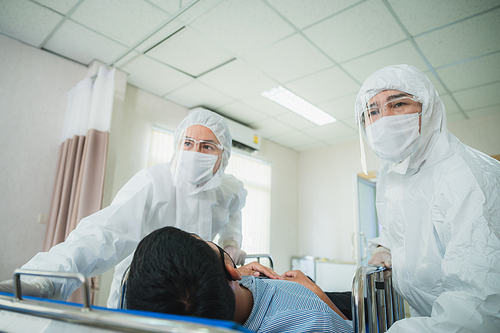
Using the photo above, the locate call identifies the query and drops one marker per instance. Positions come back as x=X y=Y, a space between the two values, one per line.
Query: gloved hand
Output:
x=38 y=287
x=381 y=256
x=238 y=255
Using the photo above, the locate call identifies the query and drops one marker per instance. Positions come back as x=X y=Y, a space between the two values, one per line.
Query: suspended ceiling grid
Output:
x=223 y=54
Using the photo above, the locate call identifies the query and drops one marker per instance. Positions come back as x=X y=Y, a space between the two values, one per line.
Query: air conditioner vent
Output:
x=244 y=138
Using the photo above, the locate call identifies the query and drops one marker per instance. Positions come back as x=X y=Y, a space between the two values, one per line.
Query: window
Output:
x=254 y=173
x=161 y=148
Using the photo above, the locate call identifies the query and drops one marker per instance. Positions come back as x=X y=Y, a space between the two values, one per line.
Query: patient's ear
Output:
x=235 y=274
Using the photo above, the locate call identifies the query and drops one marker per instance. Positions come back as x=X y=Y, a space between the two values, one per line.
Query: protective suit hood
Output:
x=411 y=80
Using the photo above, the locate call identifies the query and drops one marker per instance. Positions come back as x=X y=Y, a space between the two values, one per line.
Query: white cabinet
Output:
x=330 y=275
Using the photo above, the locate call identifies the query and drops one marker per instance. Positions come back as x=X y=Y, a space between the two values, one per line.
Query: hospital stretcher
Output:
x=75 y=318
x=375 y=307
x=375 y=304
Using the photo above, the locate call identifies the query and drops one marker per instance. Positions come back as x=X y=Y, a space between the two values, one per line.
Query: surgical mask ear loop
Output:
x=362 y=148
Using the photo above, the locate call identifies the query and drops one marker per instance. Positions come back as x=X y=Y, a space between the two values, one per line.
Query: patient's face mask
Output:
x=390 y=123
x=197 y=158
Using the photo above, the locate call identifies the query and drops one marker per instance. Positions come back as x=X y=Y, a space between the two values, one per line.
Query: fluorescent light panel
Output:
x=296 y=104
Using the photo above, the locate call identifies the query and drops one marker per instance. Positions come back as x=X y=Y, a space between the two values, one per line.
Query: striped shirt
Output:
x=285 y=306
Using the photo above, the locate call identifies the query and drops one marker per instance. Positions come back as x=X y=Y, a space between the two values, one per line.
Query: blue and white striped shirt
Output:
x=285 y=306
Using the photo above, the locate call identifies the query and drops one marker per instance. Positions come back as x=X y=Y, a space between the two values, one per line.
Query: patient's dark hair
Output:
x=174 y=272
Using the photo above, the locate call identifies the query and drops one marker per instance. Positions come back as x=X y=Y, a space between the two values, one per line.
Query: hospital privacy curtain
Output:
x=81 y=165
x=255 y=175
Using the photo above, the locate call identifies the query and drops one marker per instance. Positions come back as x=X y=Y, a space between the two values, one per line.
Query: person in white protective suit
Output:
x=191 y=193
x=438 y=202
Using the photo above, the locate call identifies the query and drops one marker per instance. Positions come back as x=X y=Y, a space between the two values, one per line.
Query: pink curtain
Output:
x=79 y=183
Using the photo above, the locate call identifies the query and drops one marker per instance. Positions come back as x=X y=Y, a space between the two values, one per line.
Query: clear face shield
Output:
x=390 y=124
x=197 y=158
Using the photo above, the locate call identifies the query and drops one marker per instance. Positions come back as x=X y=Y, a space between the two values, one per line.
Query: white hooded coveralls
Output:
x=147 y=202
x=440 y=218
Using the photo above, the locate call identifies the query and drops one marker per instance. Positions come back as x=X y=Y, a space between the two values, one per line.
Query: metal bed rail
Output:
x=260 y=256
x=375 y=304
x=113 y=320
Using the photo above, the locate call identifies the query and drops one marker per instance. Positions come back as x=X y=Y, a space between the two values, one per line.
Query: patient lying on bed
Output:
x=177 y=272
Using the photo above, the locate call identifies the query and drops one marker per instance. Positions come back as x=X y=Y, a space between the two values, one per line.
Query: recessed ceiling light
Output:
x=296 y=104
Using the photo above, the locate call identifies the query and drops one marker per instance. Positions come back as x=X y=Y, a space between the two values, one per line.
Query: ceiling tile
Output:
x=449 y=105
x=479 y=97
x=295 y=121
x=330 y=131
x=237 y=79
x=197 y=94
x=293 y=139
x=242 y=113
x=160 y=35
x=341 y=108
x=471 y=73
x=61 y=6
x=349 y=123
x=304 y=13
x=242 y=26
x=271 y=127
x=455 y=117
x=289 y=59
x=124 y=21
x=190 y=52
x=324 y=86
x=424 y=15
x=27 y=21
x=436 y=83
x=310 y=146
x=342 y=38
x=264 y=105
x=170 y=6
x=483 y=111
x=461 y=41
x=76 y=42
x=343 y=139
x=197 y=9
x=401 y=53
x=150 y=75
x=125 y=59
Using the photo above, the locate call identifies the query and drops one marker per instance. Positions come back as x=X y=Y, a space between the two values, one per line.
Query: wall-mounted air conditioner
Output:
x=244 y=137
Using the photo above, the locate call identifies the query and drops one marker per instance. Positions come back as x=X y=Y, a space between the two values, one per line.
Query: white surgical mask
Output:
x=195 y=168
x=394 y=138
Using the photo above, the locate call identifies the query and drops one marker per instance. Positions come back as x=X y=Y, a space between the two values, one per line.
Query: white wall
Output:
x=33 y=89
x=480 y=133
x=326 y=195
x=326 y=187
x=284 y=203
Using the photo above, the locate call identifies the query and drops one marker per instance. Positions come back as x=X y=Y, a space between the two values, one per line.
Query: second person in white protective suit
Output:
x=191 y=193
x=438 y=202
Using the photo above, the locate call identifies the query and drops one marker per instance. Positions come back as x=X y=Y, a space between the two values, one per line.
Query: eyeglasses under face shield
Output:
x=202 y=146
x=395 y=105
x=223 y=255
